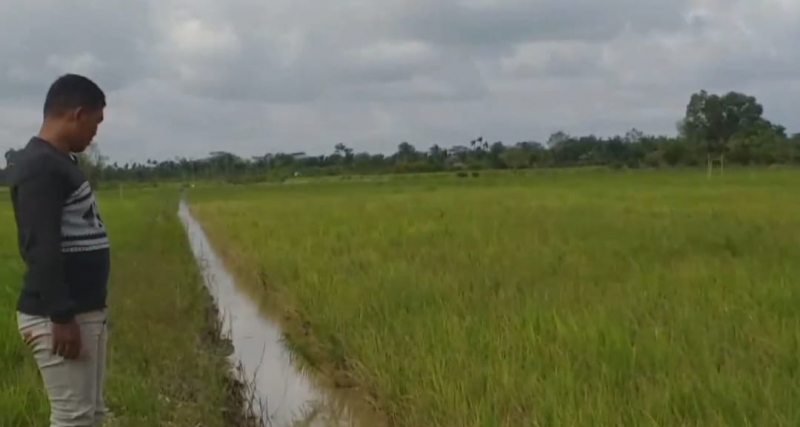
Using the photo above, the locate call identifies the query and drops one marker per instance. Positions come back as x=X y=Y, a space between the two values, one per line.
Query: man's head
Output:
x=73 y=109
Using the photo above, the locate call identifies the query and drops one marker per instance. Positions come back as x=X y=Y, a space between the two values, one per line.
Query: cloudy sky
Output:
x=186 y=77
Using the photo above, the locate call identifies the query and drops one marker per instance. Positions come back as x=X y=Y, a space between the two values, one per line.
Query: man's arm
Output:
x=40 y=200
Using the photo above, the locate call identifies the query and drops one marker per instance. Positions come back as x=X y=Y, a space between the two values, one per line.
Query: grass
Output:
x=557 y=298
x=165 y=367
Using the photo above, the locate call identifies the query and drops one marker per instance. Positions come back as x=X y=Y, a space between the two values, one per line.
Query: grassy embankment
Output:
x=558 y=298
x=165 y=366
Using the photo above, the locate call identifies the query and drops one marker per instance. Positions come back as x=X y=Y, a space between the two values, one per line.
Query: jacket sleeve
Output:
x=40 y=201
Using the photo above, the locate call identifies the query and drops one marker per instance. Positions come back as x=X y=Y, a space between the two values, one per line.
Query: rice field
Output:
x=165 y=366
x=554 y=298
x=549 y=298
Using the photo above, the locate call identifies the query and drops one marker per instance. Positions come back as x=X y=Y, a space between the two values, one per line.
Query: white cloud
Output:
x=192 y=37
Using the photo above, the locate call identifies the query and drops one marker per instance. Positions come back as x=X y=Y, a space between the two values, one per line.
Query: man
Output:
x=61 y=310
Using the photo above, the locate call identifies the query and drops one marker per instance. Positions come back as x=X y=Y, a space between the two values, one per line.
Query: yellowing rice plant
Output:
x=550 y=299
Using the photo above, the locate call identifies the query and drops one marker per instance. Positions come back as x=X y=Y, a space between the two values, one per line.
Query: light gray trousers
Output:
x=74 y=387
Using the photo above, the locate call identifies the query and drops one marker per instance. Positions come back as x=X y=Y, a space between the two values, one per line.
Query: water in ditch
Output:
x=282 y=395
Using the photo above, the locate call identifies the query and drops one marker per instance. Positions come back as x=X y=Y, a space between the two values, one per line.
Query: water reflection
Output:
x=281 y=395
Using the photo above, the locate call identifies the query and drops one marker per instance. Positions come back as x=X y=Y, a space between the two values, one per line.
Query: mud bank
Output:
x=278 y=391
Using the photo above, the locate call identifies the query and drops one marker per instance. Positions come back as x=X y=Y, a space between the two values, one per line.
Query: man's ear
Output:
x=76 y=114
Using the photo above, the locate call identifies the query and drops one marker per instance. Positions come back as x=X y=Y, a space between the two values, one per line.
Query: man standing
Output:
x=61 y=310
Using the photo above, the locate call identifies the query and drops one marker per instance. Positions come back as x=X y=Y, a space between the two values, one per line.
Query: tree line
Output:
x=728 y=127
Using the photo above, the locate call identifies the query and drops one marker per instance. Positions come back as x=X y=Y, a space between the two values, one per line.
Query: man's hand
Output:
x=67 y=340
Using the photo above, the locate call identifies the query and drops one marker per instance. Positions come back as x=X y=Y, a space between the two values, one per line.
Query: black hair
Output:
x=71 y=91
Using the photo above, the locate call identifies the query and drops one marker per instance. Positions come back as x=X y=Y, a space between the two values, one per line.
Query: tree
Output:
x=406 y=152
x=9 y=156
x=556 y=139
x=731 y=124
x=93 y=164
x=437 y=156
x=515 y=157
x=713 y=120
x=343 y=153
x=633 y=136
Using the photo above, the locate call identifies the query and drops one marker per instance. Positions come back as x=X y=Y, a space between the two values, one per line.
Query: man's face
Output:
x=83 y=128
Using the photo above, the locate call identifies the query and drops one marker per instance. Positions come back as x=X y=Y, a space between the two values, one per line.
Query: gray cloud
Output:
x=186 y=77
x=44 y=38
x=500 y=24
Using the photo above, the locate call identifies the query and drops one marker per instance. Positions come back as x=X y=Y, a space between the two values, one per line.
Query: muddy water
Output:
x=282 y=395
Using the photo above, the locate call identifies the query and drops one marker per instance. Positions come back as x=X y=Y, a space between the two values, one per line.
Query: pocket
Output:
x=92 y=318
x=32 y=327
x=27 y=321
